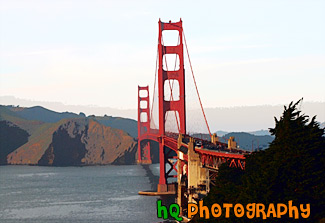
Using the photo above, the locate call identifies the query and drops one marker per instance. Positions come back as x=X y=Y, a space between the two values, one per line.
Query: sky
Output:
x=97 y=52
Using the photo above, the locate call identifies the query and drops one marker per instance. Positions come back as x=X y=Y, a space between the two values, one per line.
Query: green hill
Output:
x=38 y=113
x=6 y=114
x=246 y=140
x=42 y=114
x=128 y=125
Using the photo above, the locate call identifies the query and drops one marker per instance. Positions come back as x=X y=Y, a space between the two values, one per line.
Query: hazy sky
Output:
x=97 y=52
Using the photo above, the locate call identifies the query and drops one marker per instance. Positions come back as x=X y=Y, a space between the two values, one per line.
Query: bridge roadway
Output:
x=211 y=154
x=196 y=164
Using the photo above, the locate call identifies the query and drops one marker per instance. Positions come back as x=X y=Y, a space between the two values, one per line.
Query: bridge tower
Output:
x=143 y=125
x=165 y=105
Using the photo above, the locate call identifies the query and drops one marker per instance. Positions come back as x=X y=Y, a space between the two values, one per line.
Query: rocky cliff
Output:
x=80 y=141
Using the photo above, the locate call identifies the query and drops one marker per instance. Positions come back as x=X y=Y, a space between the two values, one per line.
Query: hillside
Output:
x=128 y=125
x=246 y=140
x=38 y=142
x=261 y=132
x=38 y=136
x=243 y=139
x=70 y=142
x=38 y=113
x=28 y=125
x=42 y=114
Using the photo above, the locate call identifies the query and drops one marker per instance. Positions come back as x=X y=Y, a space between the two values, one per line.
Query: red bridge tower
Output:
x=164 y=76
x=143 y=125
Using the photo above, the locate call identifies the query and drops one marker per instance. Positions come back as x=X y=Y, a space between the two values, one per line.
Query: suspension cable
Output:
x=197 y=91
x=154 y=87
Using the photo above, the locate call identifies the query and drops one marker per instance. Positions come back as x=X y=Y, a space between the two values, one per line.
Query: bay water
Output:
x=77 y=194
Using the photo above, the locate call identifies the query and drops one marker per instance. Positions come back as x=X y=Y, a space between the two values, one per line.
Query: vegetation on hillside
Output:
x=292 y=168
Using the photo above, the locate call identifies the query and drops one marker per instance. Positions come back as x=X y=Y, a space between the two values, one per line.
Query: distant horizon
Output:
x=229 y=119
x=132 y=108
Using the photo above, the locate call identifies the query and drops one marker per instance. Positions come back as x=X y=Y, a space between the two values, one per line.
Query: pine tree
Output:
x=299 y=160
x=292 y=168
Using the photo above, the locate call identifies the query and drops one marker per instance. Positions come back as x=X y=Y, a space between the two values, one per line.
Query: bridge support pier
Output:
x=214 y=138
x=144 y=153
x=198 y=177
x=231 y=143
x=162 y=187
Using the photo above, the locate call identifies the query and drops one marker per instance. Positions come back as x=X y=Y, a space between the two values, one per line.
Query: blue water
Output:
x=77 y=194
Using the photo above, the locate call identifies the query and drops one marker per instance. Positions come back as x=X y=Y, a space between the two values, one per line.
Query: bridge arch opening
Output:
x=143 y=93
x=170 y=38
x=143 y=104
x=171 y=86
x=171 y=62
x=172 y=121
x=143 y=117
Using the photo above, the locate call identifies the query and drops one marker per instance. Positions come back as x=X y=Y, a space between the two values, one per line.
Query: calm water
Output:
x=77 y=194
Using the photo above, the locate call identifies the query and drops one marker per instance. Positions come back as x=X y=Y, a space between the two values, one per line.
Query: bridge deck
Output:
x=203 y=147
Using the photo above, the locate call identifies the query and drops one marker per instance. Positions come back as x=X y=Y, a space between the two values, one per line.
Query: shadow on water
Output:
x=154 y=180
x=166 y=200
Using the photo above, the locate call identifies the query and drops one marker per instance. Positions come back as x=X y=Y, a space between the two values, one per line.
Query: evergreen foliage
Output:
x=292 y=168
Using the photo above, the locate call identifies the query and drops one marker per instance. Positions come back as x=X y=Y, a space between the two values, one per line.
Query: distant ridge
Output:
x=240 y=118
x=246 y=141
x=221 y=133
x=261 y=132
x=249 y=141
x=39 y=113
x=42 y=114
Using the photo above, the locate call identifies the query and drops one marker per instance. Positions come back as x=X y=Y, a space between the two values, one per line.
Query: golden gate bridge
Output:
x=195 y=161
